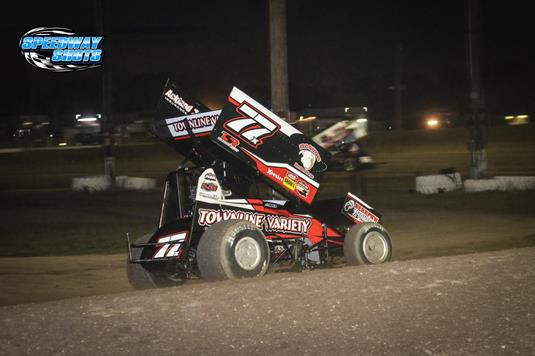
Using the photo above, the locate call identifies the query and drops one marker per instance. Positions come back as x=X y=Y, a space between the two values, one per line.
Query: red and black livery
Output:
x=247 y=203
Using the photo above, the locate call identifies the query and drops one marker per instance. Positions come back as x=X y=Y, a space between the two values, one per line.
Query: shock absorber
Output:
x=325 y=241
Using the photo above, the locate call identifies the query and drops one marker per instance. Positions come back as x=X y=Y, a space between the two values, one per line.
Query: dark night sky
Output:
x=340 y=54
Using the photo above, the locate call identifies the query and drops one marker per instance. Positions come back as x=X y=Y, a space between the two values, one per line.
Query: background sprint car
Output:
x=242 y=201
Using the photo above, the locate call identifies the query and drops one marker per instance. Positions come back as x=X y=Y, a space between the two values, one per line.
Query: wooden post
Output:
x=104 y=25
x=478 y=153
x=278 y=58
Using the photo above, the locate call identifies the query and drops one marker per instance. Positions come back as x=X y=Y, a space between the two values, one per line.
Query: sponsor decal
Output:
x=291 y=177
x=302 y=169
x=266 y=222
x=59 y=49
x=171 y=245
x=252 y=126
x=357 y=211
x=178 y=102
x=276 y=223
x=309 y=148
x=309 y=156
x=210 y=177
x=208 y=217
x=229 y=141
x=208 y=194
x=308 y=159
x=303 y=189
x=200 y=124
x=209 y=187
x=289 y=183
x=274 y=174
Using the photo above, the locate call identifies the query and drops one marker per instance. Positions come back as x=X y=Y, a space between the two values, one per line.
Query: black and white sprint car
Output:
x=242 y=201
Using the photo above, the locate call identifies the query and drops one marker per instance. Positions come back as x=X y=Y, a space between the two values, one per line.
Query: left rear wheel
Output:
x=232 y=249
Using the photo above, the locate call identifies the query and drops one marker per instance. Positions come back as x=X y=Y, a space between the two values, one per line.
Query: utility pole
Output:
x=104 y=25
x=478 y=154
x=398 y=122
x=278 y=58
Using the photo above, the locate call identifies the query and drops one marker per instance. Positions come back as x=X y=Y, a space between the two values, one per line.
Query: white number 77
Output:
x=170 y=249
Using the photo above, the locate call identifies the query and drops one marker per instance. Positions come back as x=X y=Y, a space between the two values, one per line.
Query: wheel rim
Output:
x=375 y=247
x=247 y=253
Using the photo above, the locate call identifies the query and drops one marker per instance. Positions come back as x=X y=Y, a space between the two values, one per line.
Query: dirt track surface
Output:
x=38 y=279
x=476 y=304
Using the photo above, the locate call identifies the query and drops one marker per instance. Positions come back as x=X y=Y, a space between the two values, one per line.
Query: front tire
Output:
x=367 y=243
x=232 y=249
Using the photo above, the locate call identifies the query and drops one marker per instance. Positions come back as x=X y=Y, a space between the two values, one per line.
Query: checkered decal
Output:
x=43 y=61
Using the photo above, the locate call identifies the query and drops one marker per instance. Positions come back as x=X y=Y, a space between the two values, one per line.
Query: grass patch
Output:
x=70 y=223
x=57 y=168
x=510 y=151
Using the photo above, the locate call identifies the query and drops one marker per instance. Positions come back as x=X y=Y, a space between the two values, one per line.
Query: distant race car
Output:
x=242 y=201
x=342 y=140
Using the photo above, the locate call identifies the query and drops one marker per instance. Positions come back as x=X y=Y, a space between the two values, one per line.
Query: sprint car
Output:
x=242 y=201
x=343 y=140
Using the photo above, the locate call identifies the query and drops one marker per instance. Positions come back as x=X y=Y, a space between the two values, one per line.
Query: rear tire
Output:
x=232 y=249
x=367 y=243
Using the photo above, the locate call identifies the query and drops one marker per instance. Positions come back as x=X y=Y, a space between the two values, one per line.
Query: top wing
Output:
x=281 y=153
